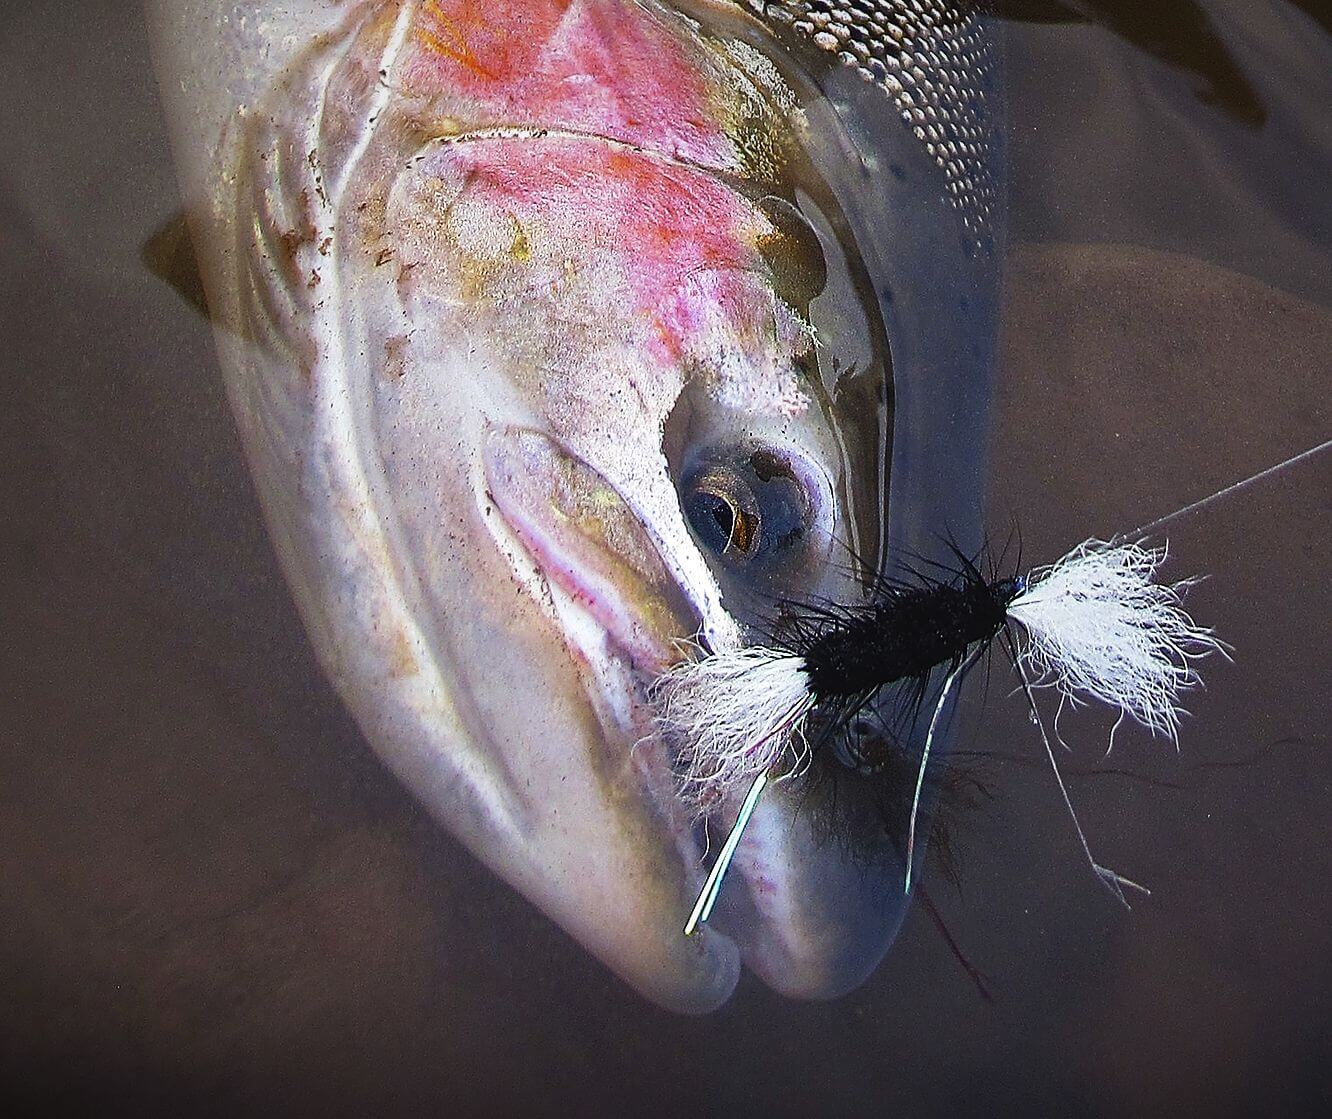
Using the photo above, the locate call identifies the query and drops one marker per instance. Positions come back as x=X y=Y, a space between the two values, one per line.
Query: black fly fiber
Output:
x=1093 y=625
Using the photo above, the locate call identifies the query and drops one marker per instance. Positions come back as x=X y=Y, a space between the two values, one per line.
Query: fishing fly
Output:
x=1095 y=625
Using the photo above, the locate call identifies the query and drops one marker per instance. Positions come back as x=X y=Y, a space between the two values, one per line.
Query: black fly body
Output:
x=870 y=667
x=900 y=635
x=898 y=639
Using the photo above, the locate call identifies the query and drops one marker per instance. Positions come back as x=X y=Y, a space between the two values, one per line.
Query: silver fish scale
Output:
x=931 y=57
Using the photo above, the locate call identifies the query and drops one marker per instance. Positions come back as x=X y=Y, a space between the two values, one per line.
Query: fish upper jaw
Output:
x=587 y=541
x=577 y=549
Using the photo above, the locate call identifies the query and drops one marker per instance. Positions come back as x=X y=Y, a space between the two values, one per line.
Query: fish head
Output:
x=556 y=352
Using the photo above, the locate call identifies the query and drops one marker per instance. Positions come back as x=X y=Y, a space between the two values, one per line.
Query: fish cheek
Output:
x=546 y=302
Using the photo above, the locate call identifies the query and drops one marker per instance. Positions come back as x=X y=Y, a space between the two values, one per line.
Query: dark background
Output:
x=212 y=897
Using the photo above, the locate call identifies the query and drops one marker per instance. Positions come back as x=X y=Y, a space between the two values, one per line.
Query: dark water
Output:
x=213 y=897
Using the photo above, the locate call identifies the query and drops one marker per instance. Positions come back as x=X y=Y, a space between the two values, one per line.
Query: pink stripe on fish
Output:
x=680 y=243
x=600 y=66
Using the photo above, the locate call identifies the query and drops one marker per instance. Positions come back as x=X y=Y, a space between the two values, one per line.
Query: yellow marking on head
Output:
x=521 y=249
x=449 y=39
x=402 y=658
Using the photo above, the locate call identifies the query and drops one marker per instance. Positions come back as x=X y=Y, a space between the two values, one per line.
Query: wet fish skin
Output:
x=458 y=301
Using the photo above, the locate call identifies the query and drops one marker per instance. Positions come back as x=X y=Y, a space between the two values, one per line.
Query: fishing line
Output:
x=952 y=679
x=1113 y=880
x=707 y=897
x=1093 y=625
x=1143 y=530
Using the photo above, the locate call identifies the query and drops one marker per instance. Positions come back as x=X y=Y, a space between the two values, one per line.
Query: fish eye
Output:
x=748 y=508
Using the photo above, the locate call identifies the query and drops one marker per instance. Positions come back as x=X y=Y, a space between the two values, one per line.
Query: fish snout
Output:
x=807 y=915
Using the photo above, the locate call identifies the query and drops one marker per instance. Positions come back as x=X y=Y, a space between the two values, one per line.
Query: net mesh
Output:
x=933 y=58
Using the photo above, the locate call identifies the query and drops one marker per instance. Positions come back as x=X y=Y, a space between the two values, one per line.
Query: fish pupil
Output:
x=726 y=529
x=723 y=516
x=747 y=509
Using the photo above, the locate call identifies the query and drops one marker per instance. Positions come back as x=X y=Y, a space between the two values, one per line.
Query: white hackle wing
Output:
x=732 y=716
x=1097 y=625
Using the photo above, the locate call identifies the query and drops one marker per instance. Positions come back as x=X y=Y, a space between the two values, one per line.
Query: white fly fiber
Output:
x=732 y=716
x=1097 y=625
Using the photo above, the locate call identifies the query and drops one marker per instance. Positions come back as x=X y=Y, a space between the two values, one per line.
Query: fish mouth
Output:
x=806 y=915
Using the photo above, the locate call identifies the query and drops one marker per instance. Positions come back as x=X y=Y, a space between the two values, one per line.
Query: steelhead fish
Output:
x=561 y=333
